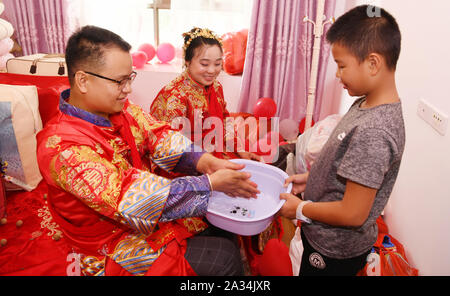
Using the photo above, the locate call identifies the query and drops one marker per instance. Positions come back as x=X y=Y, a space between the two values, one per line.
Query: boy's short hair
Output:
x=85 y=48
x=366 y=29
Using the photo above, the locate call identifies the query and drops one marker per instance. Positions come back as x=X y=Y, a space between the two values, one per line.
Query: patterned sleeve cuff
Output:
x=188 y=161
x=188 y=197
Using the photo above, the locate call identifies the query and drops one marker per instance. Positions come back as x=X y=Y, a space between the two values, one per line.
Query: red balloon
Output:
x=265 y=107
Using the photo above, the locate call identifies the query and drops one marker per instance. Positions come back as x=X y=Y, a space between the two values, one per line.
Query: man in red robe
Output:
x=98 y=156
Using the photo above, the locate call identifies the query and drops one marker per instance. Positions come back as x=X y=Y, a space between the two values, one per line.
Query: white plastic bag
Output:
x=296 y=252
x=310 y=143
x=300 y=151
x=319 y=137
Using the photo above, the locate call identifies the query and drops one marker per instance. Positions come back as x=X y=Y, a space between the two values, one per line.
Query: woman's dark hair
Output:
x=366 y=29
x=196 y=38
x=85 y=48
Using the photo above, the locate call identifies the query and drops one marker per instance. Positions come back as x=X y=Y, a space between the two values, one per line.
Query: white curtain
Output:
x=129 y=19
x=134 y=22
x=220 y=16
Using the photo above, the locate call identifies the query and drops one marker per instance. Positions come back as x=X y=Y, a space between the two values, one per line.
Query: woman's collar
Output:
x=193 y=82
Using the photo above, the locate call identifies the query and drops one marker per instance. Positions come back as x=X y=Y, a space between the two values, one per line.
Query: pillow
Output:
x=49 y=89
x=19 y=123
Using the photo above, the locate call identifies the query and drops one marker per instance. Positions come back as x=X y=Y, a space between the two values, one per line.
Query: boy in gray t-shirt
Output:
x=350 y=183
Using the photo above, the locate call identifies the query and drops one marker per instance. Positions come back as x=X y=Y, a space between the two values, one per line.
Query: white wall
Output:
x=418 y=213
x=155 y=76
x=334 y=99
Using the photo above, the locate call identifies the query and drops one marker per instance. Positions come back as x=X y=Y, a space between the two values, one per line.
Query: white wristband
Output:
x=299 y=212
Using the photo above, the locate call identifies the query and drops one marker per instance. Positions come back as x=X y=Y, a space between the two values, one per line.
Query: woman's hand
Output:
x=298 y=183
x=249 y=155
x=233 y=183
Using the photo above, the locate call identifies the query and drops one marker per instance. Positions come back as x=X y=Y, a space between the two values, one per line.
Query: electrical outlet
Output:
x=434 y=117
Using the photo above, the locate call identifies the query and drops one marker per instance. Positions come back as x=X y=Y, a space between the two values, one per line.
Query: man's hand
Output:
x=208 y=164
x=298 y=183
x=233 y=183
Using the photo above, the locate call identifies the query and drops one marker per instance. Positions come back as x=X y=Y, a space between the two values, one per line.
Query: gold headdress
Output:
x=198 y=32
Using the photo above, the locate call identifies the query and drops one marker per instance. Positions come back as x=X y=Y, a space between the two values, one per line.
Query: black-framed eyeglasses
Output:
x=121 y=83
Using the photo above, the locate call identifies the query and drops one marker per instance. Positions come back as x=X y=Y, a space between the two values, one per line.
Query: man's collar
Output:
x=71 y=110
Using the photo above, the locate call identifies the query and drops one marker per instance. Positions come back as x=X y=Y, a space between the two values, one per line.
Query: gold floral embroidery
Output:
x=47 y=222
x=194 y=225
x=119 y=148
x=53 y=142
x=175 y=106
x=138 y=136
x=99 y=149
x=144 y=120
x=86 y=174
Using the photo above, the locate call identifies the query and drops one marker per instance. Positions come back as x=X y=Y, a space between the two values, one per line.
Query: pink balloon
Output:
x=149 y=50
x=165 y=52
x=139 y=59
x=289 y=129
x=265 y=107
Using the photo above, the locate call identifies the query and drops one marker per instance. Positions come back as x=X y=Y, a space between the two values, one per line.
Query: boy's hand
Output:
x=298 y=183
x=233 y=183
x=289 y=208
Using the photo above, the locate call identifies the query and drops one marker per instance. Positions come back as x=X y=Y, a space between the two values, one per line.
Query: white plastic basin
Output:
x=250 y=216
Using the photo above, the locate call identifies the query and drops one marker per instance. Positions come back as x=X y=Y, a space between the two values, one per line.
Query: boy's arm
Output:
x=352 y=210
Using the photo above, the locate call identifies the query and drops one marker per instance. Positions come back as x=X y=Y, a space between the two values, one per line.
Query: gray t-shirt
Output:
x=366 y=147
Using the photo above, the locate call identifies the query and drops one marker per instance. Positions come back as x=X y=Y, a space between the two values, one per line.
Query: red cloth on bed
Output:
x=32 y=248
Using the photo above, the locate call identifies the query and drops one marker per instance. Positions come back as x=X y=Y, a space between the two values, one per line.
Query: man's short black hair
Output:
x=368 y=29
x=85 y=48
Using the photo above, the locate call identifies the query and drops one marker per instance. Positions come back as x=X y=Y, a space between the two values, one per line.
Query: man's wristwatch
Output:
x=299 y=213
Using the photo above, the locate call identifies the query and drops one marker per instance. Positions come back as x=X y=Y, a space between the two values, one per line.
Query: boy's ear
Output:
x=375 y=62
x=81 y=81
